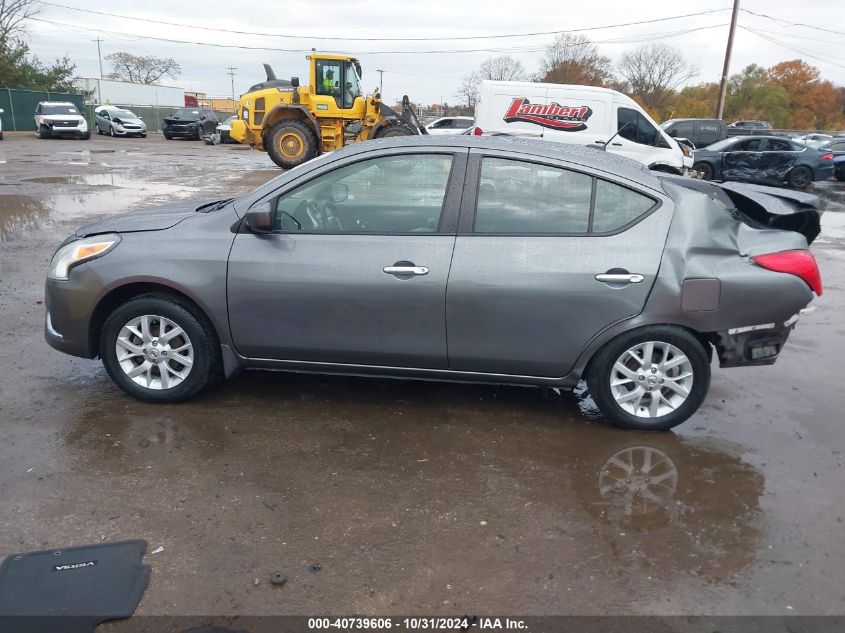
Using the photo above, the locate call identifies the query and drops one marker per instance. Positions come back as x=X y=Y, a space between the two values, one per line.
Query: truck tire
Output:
x=290 y=143
x=394 y=129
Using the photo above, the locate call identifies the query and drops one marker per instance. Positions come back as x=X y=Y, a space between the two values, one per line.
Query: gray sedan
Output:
x=447 y=258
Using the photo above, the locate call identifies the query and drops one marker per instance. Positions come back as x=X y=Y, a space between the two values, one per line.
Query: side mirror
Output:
x=259 y=219
x=294 y=81
x=340 y=192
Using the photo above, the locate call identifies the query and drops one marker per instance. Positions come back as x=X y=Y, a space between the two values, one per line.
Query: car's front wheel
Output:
x=652 y=378
x=158 y=350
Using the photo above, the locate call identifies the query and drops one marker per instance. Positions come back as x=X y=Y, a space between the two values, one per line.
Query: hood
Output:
x=135 y=120
x=60 y=117
x=153 y=219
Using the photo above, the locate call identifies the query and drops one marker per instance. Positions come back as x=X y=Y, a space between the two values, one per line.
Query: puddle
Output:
x=113 y=194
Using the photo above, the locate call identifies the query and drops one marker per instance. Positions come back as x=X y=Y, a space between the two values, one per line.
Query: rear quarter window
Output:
x=616 y=207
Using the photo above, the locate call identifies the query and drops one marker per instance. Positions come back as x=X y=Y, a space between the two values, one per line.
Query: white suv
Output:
x=60 y=118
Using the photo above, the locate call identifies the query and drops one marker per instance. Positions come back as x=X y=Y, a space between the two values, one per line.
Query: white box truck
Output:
x=583 y=115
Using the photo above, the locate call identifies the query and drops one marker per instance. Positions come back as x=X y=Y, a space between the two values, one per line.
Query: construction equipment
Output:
x=294 y=123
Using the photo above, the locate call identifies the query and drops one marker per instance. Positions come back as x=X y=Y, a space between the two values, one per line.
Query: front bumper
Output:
x=70 y=306
x=183 y=131
x=751 y=345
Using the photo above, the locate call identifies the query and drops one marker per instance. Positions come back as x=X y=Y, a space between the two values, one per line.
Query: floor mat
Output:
x=72 y=589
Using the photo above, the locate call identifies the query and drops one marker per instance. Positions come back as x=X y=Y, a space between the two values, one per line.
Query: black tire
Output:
x=168 y=136
x=86 y=135
x=143 y=136
x=300 y=143
x=394 y=129
x=705 y=169
x=1 y=136
x=800 y=178
x=111 y=131
x=43 y=131
x=206 y=351
x=99 y=131
x=601 y=370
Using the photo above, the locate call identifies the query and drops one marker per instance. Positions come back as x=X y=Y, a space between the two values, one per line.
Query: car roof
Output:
x=56 y=103
x=691 y=119
x=580 y=154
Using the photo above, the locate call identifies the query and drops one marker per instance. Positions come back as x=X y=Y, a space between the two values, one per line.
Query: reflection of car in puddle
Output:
x=637 y=481
x=665 y=501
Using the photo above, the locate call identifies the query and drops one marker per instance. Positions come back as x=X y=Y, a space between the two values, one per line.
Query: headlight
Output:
x=80 y=251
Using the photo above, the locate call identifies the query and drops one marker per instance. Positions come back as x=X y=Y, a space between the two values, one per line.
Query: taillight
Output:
x=476 y=131
x=798 y=262
x=827 y=157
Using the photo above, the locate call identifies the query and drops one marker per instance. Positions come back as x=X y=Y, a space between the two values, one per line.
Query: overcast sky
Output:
x=428 y=77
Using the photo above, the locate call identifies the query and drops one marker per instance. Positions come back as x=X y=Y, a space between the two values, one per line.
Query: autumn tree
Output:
x=653 y=73
x=574 y=59
x=141 y=69
x=814 y=101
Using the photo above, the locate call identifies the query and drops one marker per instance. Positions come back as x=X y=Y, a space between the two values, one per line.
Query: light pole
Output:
x=99 y=56
x=380 y=82
x=231 y=74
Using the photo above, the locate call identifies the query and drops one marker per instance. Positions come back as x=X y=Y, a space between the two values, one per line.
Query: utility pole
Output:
x=99 y=56
x=231 y=74
x=723 y=86
x=380 y=81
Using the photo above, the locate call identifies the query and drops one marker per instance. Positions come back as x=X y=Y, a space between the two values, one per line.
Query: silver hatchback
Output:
x=448 y=258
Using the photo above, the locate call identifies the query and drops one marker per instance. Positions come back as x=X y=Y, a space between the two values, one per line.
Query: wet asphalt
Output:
x=384 y=497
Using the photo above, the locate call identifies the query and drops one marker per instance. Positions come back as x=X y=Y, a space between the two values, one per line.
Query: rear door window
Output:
x=777 y=145
x=518 y=198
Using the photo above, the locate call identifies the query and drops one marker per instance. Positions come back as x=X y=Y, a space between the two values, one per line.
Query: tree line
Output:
x=790 y=95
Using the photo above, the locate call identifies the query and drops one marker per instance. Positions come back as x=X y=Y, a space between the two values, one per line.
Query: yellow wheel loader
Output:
x=294 y=123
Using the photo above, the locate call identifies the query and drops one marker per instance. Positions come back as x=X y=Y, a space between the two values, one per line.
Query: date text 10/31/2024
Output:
x=418 y=623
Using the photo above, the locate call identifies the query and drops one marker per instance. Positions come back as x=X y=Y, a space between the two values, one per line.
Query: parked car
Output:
x=1 y=125
x=449 y=125
x=763 y=159
x=447 y=258
x=699 y=132
x=837 y=148
x=224 y=128
x=582 y=115
x=60 y=118
x=118 y=122
x=189 y=123
x=757 y=127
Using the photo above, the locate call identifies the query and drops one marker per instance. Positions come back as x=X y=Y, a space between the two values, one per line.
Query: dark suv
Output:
x=190 y=123
x=757 y=127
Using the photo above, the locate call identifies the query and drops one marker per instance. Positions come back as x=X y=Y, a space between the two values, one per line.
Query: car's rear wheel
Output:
x=158 y=350
x=652 y=378
x=705 y=169
x=800 y=177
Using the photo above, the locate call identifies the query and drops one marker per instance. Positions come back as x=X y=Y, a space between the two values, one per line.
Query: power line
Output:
x=782 y=22
x=528 y=49
x=379 y=39
x=794 y=48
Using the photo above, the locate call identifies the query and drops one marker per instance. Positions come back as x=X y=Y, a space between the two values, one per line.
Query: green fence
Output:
x=19 y=106
x=19 y=109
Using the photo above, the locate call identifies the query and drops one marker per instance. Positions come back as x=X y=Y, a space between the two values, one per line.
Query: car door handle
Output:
x=406 y=270
x=620 y=278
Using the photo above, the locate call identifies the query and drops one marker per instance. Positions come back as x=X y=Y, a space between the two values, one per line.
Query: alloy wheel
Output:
x=651 y=379
x=155 y=352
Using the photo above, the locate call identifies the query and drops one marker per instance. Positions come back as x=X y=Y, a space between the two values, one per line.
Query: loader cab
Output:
x=336 y=85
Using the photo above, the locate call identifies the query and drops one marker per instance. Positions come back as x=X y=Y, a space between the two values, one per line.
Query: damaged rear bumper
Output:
x=754 y=344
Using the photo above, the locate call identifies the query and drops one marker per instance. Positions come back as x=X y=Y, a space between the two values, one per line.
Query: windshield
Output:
x=230 y=119
x=186 y=113
x=720 y=145
x=126 y=114
x=353 y=85
x=59 y=109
